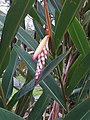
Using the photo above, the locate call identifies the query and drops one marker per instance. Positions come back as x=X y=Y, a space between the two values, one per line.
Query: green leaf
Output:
x=72 y=69
x=81 y=70
x=50 y=89
x=15 y=15
x=50 y=86
x=41 y=13
x=27 y=58
x=86 y=116
x=66 y=16
x=85 y=88
x=8 y=75
x=79 y=112
x=39 y=108
x=40 y=9
x=39 y=30
x=51 y=8
x=34 y=15
x=86 y=18
x=56 y=4
x=24 y=102
x=7 y=115
x=5 y=62
x=25 y=37
x=23 y=91
x=32 y=66
x=79 y=37
x=48 y=69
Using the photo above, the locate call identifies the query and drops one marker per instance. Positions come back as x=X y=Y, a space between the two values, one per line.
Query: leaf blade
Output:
x=79 y=37
x=40 y=106
x=5 y=115
x=82 y=109
x=8 y=31
x=81 y=70
x=68 y=11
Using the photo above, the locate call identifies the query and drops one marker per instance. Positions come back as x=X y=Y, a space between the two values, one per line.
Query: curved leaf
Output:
x=39 y=30
x=79 y=37
x=56 y=4
x=7 y=115
x=79 y=112
x=50 y=89
x=35 y=15
x=86 y=116
x=84 y=89
x=39 y=108
x=31 y=66
x=16 y=14
x=5 y=62
x=72 y=69
x=8 y=75
x=50 y=86
x=27 y=58
x=66 y=16
x=48 y=69
x=25 y=37
x=81 y=70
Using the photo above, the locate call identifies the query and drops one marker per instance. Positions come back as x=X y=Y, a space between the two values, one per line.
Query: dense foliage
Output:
x=65 y=79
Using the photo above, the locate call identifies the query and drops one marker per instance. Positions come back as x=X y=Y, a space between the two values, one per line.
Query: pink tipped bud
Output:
x=40 y=47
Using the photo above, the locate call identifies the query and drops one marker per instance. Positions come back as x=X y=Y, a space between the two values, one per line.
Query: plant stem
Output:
x=62 y=86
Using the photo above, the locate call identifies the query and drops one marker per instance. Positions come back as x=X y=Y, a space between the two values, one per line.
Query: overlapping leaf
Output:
x=31 y=66
x=80 y=71
x=7 y=115
x=39 y=108
x=80 y=111
x=66 y=16
x=8 y=75
x=79 y=37
x=15 y=16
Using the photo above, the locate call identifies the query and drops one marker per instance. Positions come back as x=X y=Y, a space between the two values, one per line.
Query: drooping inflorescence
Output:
x=41 y=53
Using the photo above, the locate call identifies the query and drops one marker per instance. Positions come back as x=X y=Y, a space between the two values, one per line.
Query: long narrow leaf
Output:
x=15 y=16
x=56 y=4
x=5 y=62
x=79 y=37
x=31 y=66
x=39 y=108
x=50 y=86
x=27 y=58
x=66 y=16
x=52 y=65
x=33 y=13
x=25 y=37
x=8 y=75
x=81 y=70
x=7 y=115
x=79 y=111
x=51 y=90
x=72 y=69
